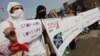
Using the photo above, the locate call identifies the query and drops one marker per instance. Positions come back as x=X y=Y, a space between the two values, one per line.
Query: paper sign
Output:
x=27 y=30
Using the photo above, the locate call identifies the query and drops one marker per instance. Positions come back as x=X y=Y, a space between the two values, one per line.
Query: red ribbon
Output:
x=15 y=46
x=1 y=53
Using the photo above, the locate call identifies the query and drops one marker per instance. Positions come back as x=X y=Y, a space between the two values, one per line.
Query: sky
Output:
x=30 y=6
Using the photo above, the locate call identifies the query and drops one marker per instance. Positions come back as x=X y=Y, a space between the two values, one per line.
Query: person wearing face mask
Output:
x=34 y=48
x=15 y=11
x=8 y=38
x=41 y=12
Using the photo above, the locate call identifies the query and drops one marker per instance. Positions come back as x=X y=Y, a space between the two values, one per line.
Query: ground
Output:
x=88 y=45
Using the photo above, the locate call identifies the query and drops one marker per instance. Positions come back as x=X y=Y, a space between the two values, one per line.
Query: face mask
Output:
x=18 y=14
x=43 y=13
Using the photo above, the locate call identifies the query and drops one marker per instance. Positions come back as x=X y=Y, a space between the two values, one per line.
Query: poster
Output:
x=62 y=31
x=27 y=30
x=89 y=17
x=71 y=27
x=54 y=32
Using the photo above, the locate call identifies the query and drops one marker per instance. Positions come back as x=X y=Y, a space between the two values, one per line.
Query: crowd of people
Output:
x=16 y=12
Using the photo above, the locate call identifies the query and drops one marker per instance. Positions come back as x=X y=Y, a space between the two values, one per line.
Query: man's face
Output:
x=16 y=8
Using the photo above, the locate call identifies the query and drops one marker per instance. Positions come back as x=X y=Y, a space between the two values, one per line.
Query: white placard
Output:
x=27 y=30
x=62 y=32
x=89 y=17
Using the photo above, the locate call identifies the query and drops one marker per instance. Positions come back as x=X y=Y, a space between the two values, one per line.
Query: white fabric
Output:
x=4 y=42
x=36 y=48
x=10 y=5
x=18 y=15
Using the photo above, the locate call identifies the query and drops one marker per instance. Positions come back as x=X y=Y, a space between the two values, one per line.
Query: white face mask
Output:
x=18 y=15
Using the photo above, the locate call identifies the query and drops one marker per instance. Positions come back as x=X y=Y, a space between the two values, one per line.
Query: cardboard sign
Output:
x=27 y=30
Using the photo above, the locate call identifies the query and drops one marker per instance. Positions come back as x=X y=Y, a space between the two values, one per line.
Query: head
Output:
x=41 y=11
x=15 y=10
x=53 y=13
x=78 y=8
x=67 y=10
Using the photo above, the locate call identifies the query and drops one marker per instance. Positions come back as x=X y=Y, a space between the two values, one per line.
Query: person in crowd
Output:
x=37 y=47
x=95 y=4
x=70 y=12
x=53 y=13
x=78 y=9
x=62 y=13
x=91 y=5
x=34 y=48
x=95 y=25
x=85 y=6
x=15 y=12
x=41 y=14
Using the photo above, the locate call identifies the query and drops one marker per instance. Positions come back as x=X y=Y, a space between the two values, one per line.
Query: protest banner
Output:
x=89 y=17
x=54 y=32
x=71 y=27
x=62 y=32
x=27 y=30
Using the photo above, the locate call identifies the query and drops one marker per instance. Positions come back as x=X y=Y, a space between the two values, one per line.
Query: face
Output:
x=16 y=8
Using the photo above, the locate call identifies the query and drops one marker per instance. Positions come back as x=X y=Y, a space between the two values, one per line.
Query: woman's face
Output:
x=16 y=8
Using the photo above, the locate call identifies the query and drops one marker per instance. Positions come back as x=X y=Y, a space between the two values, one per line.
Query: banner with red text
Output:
x=62 y=31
